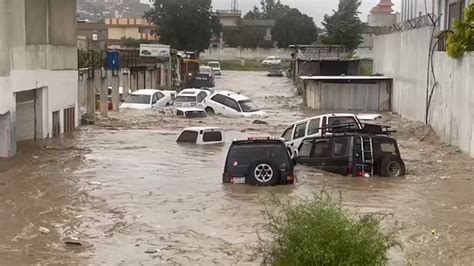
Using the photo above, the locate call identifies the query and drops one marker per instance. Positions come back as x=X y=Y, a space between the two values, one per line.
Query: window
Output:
x=185 y=99
x=140 y=99
x=212 y=136
x=343 y=121
x=232 y=104
x=155 y=98
x=456 y=11
x=160 y=95
x=287 y=134
x=313 y=127
x=388 y=148
x=201 y=96
x=321 y=149
x=305 y=149
x=341 y=147
x=188 y=137
x=248 y=106
x=300 y=131
x=219 y=98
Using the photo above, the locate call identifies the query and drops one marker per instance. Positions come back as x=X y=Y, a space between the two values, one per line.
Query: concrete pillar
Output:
x=91 y=101
x=141 y=80
x=104 y=97
x=125 y=83
x=113 y=82
x=148 y=79
x=133 y=81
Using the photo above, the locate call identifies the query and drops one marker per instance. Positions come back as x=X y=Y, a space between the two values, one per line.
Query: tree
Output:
x=462 y=38
x=294 y=28
x=344 y=26
x=185 y=24
x=270 y=10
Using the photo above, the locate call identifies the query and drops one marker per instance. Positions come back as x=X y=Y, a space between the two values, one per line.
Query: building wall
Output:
x=404 y=56
x=233 y=53
x=38 y=54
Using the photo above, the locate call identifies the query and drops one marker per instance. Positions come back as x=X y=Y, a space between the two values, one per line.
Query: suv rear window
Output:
x=188 y=137
x=249 y=153
x=212 y=136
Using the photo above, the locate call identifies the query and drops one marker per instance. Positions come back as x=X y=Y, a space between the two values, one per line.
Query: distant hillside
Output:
x=97 y=10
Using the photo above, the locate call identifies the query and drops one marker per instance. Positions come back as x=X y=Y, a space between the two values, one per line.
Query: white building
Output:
x=38 y=70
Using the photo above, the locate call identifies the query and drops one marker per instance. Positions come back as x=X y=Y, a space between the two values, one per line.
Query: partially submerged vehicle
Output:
x=148 y=99
x=202 y=135
x=350 y=151
x=274 y=70
x=317 y=126
x=216 y=67
x=259 y=162
x=189 y=102
x=232 y=104
x=205 y=78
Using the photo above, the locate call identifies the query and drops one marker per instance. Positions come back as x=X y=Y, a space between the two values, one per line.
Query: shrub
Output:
x=462 y=38
x=319 y=232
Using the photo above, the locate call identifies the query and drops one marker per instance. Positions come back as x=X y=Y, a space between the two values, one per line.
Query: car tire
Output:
x=263 y=173
x=392 y=166
x=209 y=111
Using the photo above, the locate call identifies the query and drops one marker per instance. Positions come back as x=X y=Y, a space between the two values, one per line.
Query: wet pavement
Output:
x=131 y=194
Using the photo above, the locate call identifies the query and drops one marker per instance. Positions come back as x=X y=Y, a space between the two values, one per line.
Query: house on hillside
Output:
x=129 y=28
x=38 y=71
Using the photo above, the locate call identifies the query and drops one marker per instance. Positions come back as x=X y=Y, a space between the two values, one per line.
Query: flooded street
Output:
x=124 y=186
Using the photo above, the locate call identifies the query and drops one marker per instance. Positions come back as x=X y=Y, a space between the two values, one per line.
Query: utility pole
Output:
x=234 y=5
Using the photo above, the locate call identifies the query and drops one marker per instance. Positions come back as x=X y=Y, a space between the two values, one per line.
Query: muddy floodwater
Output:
x=127 y=193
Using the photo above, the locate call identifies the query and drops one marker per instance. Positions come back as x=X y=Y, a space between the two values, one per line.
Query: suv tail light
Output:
x=291 y=176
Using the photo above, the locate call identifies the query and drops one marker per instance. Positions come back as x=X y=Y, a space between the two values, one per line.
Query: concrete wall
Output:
x=238 y=53
x=404 y=56
x=355 y=95
x=38 y=52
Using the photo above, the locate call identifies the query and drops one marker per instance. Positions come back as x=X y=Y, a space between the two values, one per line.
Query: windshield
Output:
x=248 y=106
x=205 y=70
x=214 y=65
x=140 y=99
x=186 y=99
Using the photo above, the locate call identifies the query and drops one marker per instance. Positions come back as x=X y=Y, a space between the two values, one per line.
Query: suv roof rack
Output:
x=348 y=128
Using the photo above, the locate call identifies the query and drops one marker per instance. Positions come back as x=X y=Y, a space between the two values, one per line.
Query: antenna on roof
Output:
x=234 y=5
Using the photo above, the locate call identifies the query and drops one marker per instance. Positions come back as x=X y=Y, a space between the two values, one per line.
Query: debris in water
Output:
x=35 y=157
x=73 y=241
x=44 y=230
x=151 y=251
x=95 y=183
x=444 y=177
x=439 y=161
x=259 y=122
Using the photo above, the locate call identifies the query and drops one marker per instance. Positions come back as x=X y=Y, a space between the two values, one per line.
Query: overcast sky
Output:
x=313 y=8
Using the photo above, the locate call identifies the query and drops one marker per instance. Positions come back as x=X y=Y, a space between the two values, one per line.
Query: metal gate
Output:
x=25 y=116
x=69 y=119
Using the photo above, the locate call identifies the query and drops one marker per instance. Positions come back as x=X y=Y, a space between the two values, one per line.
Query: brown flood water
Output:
x=124 y=186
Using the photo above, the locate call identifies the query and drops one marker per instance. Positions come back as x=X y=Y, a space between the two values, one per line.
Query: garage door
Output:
x=25 y=116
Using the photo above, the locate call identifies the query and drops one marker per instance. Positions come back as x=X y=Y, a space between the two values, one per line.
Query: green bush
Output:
x=319 y=232
x=462 y=38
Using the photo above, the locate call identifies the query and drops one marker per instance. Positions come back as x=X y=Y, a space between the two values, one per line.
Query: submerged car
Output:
x=274 y=70
x=147 y=99
x=317 y=126
x=259 y=162
x=271 y=60
x=191 y=98
x=202 y=135
x=216 y=67
x=205 y=78
x=232 y=104
x=366 y=152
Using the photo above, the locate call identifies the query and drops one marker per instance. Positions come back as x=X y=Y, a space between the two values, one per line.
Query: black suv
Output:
x=369 y=151
x=259 y=162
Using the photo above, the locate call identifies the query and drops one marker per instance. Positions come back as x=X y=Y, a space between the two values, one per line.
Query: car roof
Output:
x=194 y=91
x=352 y=134
x=321 y=116
x=233 y=95
x=145 y=92
x=214 y=62
x=259 y=141
x=203 y=128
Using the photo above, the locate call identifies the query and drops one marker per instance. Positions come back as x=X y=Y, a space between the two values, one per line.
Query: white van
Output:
x=316 y=126
x=202 y=135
